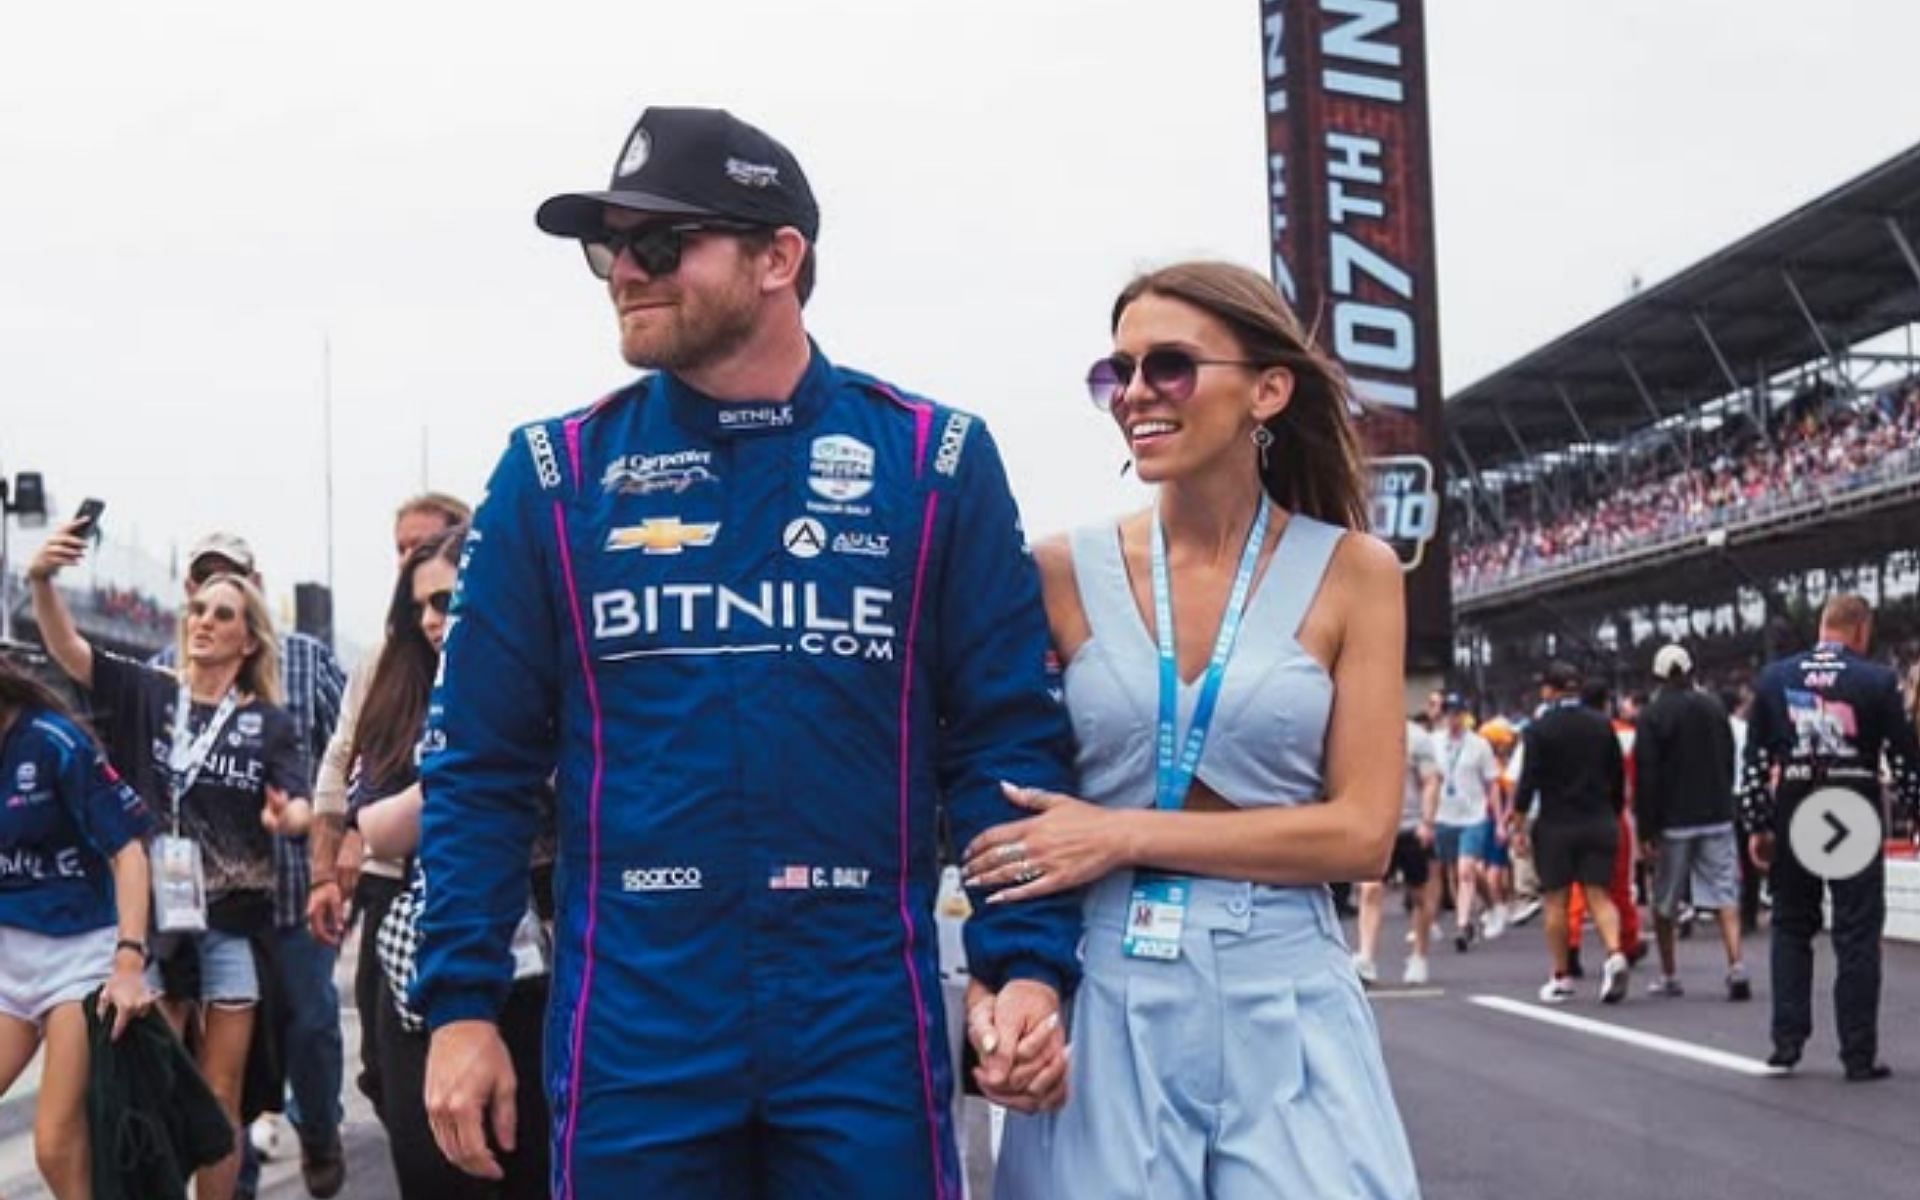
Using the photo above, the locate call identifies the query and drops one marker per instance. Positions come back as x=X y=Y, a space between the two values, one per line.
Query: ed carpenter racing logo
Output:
x=645 y=474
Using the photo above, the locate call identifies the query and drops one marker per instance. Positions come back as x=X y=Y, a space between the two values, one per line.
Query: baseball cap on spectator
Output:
x=1672 y=660
x=694 y=162
x=1561 y=676
x=229 y=546
x=1453 y=702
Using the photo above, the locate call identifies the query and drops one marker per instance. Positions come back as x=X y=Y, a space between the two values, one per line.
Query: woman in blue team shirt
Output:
x=73 y=912
x=214 y=754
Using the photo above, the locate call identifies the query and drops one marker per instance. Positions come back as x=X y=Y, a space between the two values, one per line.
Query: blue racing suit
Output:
x=762 y=645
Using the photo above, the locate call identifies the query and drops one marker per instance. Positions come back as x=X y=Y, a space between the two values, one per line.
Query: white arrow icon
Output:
x=1835 y=833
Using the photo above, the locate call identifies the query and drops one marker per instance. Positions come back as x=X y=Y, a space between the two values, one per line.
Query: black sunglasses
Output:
x=656 y=246
x=1168 y=372
x=440 y=601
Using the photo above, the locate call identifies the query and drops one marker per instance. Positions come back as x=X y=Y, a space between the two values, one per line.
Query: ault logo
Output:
x=663 y=535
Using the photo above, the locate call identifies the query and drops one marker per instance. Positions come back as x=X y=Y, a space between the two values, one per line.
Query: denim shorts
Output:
x=227 y=974
x=39 y=973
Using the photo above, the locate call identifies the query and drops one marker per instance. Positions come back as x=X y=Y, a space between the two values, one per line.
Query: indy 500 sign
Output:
x=1350 y=196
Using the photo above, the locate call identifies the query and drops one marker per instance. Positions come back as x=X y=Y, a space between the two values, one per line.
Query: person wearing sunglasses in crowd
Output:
x=73 y=913
x=385 y=810
x=1221 y=1043
x=212 y=753
x=766 y=615
x=342 y=871
x=301 y=1003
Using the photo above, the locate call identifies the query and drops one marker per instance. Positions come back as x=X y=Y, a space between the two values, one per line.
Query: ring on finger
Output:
x=1012 y=852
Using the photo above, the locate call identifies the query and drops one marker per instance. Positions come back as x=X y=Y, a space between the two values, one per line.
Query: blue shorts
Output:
x=227 y=974
x=1479 y=841
x=1449 y=842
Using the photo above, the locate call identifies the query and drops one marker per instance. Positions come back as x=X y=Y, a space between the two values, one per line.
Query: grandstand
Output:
x=121 y=598
x=1705 y=461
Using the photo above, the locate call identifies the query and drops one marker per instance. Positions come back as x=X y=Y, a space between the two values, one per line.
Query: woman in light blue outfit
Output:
x=1233 y=669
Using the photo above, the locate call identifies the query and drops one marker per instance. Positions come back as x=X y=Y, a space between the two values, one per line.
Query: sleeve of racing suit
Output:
x=999 y=720
x=490 y=745
x=1766 y=729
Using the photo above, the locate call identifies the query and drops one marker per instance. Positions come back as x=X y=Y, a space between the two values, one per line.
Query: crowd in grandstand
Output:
x=1820 y=447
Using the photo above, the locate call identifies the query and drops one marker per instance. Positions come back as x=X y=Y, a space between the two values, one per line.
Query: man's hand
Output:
x=1423 y=833
x=1021 y=1044
x=469 y=1075
x=1649 y=849
x=1760 y=849
x=326 y=912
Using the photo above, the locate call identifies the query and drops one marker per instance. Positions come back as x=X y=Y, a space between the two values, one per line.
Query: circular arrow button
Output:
x=1835 y=833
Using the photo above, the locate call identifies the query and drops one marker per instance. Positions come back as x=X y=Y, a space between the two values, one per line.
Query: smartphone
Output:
x=86 y=522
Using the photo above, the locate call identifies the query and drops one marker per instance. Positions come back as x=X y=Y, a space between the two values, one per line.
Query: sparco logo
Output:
x=544 y=463
x=661 y=879
x=953 y=439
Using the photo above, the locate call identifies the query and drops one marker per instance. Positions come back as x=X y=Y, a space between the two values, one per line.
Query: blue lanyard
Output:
x=1176 y=775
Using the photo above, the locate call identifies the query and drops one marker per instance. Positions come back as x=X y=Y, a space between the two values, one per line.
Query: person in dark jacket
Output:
x=1683 y=806
x=1821 y=723
x=1572 y=788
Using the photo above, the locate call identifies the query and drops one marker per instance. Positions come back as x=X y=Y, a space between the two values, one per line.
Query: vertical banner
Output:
x=1350 y=195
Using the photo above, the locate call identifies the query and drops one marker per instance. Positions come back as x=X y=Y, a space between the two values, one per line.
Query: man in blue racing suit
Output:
x=1822 y=722
x=767 y=618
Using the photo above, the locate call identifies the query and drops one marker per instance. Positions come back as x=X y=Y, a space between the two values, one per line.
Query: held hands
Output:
x=469 y=1075
x=1022 y=1048
x=1069 y=844
x=326 y=912
x=289 y=818
x=64 y=549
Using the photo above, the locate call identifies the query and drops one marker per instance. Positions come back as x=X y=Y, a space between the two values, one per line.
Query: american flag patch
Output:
x=790 y=879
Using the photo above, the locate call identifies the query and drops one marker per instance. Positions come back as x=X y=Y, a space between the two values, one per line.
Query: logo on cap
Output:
x=753 y=175
x=639 y=146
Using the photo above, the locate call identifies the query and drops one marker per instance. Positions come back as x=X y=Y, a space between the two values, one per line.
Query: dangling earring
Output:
x=1262 y=441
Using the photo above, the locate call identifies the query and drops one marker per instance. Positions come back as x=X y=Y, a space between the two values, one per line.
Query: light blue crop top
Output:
x=1269 y=733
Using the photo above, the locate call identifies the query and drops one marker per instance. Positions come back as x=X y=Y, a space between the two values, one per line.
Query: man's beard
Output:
x=705 y=329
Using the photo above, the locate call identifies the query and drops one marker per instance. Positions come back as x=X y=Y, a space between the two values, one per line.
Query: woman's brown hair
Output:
x=395 y=709
x=1314 y=465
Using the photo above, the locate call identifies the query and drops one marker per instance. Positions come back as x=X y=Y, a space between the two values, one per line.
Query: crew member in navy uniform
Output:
x=1822 y=720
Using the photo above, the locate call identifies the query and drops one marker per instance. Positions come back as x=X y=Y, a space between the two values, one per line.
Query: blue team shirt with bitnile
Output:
x=63 y=814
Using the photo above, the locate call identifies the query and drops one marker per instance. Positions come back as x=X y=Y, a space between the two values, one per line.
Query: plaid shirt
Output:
x=313 y=682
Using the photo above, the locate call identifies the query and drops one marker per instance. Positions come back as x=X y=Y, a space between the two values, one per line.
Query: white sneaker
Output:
x=1613 y=979
x=1415 y=973
x=269 y=1136
x=1557 y=990
x=1666 y=985
x=1527 y=911
x=1495 y=922
x=1364 y=968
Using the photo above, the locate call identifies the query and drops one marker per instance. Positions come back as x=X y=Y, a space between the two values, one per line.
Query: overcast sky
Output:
x=198 y=195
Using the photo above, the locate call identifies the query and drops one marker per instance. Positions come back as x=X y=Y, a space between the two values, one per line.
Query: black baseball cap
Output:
x=1453 y=702
x=695 y=162
x=1561 y=676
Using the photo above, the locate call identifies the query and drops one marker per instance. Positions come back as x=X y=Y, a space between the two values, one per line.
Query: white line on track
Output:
x=1632 y=1037
x=1405 y=993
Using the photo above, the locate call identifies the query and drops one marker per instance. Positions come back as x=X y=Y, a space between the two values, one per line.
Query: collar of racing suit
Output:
x=722 y=420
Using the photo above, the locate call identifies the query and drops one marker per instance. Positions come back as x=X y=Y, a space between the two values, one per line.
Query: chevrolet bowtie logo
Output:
x=663 y=535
